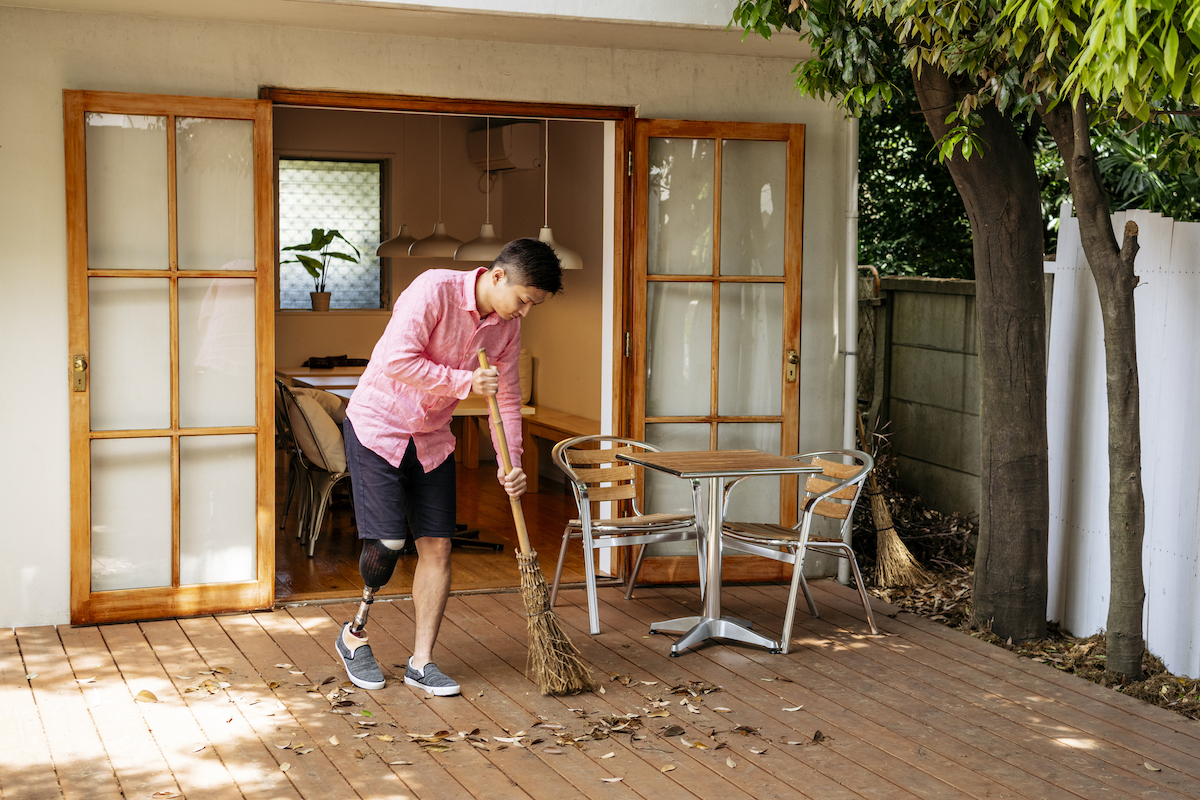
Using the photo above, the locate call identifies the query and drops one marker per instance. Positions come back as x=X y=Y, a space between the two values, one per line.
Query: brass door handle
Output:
x=79 y=367
x=792 y=370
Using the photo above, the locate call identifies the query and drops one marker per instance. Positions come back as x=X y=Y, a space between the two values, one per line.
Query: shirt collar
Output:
x=468 y=296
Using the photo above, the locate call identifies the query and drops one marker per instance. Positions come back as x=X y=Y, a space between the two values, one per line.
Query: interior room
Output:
x=371 y=175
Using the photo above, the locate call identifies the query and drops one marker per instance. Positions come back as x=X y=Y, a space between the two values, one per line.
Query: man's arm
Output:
x=416 y=314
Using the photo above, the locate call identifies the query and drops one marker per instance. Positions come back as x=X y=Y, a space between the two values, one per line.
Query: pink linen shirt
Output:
x=422 y=366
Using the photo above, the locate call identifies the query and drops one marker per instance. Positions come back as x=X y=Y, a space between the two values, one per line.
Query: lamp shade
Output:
x=483 y=248
x=396 y=246
x=567 y=257
x=438 y=244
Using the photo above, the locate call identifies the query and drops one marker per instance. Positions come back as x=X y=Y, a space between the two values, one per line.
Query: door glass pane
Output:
x=130 y=372
x=214 y=167
x=216 y=352
x=750 y=352
x=126 y=192
x=217 y=509
x=753 y=199
x=755 y=499
x=131 y=513
x=678 y=349
x=667 y=494
x=679 y=225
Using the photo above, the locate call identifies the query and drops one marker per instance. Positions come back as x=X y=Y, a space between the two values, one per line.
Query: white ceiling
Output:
x=483 y=20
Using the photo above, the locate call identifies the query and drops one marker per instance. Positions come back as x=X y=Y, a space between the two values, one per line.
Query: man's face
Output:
x=512 y=300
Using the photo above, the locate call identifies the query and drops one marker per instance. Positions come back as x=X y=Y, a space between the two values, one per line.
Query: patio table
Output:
x=715 y=466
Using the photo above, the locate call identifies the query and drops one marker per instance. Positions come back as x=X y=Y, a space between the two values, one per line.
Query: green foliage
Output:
x=320 y=243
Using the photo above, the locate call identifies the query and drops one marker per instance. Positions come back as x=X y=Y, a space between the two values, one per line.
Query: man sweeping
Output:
x=399 y=448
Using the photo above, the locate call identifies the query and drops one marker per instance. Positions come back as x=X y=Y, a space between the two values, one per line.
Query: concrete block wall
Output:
x=928 y=334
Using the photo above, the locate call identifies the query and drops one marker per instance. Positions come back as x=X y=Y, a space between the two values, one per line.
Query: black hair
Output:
x=532 y=263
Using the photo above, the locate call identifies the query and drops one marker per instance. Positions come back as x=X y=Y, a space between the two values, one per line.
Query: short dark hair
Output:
x=531 y=262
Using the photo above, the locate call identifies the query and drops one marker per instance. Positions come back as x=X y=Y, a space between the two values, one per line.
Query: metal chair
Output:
x=831 y=493
x=590 y=464
x=320 y=452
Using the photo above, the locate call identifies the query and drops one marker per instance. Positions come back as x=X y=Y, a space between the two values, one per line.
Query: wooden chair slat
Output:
x=601 y=494
x=574 y=456
x=817 y=486
x=836 y=470
x=608 y=475
x=827 y=509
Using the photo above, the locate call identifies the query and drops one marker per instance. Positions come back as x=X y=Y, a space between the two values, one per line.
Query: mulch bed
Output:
x=944 y=544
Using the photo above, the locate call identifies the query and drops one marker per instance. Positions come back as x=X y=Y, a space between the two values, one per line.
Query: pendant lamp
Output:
x=486 y=247
x=398 y=245
x=437 y=244
x=568 y=258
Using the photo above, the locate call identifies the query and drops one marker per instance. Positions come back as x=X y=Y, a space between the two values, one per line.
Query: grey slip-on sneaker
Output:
x=431 y=679
x=360 y=663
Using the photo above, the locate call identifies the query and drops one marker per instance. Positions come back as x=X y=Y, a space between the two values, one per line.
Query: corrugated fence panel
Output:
x=1168 y=320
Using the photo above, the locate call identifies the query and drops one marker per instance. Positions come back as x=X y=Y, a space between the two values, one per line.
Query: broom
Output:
x=894 y=564
x=554 y=662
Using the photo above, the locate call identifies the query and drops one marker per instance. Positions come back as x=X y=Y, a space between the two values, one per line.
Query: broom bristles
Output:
x=554 y=662
x=895 y=565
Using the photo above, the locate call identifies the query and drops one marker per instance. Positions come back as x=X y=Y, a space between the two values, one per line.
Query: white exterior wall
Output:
x=1168 y=328
x=44 y=52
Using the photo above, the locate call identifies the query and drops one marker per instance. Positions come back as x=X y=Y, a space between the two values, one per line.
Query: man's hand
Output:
x=485 y=381
x=514 y=483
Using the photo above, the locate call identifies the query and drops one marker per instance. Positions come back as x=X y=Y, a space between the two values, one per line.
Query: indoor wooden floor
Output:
x=332 y=573
x=250 y=706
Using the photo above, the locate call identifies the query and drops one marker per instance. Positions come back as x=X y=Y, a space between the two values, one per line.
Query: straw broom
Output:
x=554 y=662
x=894 y=564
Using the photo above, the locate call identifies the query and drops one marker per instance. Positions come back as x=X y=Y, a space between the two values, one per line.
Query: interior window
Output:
x=341 y=195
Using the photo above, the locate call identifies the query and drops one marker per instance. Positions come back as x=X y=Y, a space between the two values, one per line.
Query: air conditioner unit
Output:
x=516 y=145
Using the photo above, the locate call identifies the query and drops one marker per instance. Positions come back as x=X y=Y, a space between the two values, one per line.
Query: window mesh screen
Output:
x=344 y=195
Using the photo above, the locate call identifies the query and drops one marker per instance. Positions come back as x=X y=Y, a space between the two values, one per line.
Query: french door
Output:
x=171 y=349
x=715 y=327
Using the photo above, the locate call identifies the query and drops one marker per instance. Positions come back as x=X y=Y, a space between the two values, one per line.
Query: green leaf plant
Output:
x=317 y=267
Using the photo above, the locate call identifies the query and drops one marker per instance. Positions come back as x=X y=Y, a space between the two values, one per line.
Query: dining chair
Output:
x=831 y=493
x=596 y=475
x=321 y=454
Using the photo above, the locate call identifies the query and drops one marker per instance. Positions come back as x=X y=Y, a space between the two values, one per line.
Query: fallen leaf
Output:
x=672 y=730
x=367 y=713
x=383 y=737
x=333 y=740
x=1152 y=768
x=283 y=746
x=30 y=676
x=198 y=749
x=222 y=670
x=297 y=671
x=284 y=767
x=284 y=666
x=400 y=763
x=729 y=762
x=362 y=735
x=166 y=794
x=93 y=680
x=667 y=767
x=608 y=755
x=797 y=708
x=146 y=696
x=603 y=692
x=611 y=780
x=757 y=752
x=818 y=737
x=436 y=748
x=723 y=710
x=358 y=754
x=662 y=712
x=554 y=751
x=330 y=679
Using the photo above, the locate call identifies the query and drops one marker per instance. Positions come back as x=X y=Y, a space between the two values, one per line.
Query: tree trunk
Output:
x=1112 y=268
x=1000 y=190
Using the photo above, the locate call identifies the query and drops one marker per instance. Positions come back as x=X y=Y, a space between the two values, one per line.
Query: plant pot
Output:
x=320 y=301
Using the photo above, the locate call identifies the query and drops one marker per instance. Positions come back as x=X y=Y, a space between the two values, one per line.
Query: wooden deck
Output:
x=919 y=712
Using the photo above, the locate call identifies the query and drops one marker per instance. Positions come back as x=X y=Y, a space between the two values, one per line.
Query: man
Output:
x=399 y=447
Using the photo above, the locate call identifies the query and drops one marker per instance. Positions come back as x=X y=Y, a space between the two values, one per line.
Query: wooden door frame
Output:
x=174 y=600
x=678 y=569
x=623 y=116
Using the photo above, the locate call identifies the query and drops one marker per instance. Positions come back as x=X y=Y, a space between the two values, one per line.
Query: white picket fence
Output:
x=1168 y=339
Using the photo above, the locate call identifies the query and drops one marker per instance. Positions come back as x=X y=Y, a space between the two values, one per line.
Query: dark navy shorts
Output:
x=399 y=502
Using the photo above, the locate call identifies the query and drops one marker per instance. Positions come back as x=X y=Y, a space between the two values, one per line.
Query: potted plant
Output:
x=321 y=241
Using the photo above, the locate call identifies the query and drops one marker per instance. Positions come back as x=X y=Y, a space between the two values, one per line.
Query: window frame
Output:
x=385 y=214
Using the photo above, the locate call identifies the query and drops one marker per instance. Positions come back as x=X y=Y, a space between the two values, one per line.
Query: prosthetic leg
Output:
x=376 y=564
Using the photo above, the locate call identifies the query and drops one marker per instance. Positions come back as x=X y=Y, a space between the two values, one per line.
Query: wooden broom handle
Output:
x=506 y=460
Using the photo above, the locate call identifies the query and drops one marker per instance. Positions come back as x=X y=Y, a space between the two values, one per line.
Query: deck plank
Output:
x=80 y=760
x=920 y=711
x=26 y=765
x=997 y=725
x=136 y=757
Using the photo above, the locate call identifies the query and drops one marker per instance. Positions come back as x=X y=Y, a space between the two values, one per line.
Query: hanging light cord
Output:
x=439 y=219
x=546 y=173
x=488 y=176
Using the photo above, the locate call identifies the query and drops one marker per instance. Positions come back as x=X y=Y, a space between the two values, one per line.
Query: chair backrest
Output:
x=819 y=499
x=591 y=464
x=317 y=436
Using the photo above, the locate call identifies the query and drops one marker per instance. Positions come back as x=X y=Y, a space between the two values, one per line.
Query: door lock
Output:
x=793 y=361
x=79 y=367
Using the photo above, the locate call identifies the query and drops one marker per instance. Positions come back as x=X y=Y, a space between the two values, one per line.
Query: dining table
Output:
x=715 y=466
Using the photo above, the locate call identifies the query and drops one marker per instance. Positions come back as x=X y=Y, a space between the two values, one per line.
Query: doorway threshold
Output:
x=338 y=596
